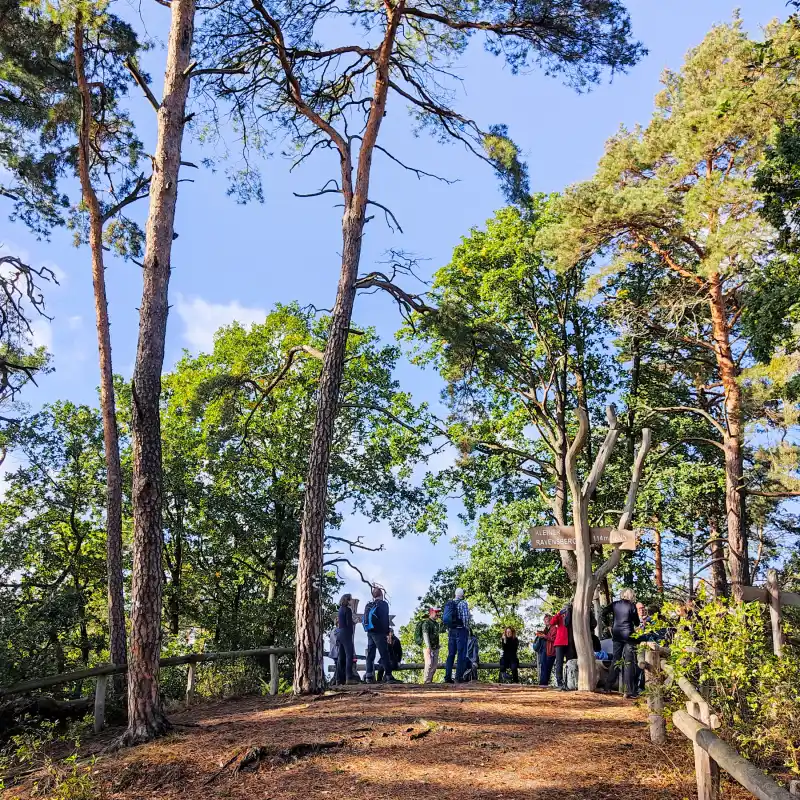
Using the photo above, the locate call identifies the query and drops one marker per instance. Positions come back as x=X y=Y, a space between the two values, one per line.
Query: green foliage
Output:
x=725 y=648
x=41 y=113
x=52 y=545
x=772 y=315
x=32 y=749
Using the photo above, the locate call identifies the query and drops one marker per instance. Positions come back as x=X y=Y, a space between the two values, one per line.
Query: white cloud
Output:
x=202 y=319
x=42 y=334
x=75 y=323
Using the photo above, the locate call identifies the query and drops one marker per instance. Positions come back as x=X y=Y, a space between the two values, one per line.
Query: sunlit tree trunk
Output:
x=146 y=718
x=308 y=676
x=116 y=600
x=733 y=441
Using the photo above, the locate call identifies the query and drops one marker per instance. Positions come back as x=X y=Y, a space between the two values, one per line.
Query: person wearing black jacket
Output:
x=395 y=655
x=376 y=636
x=346 y=628
x=509 y=661
x=623 y=631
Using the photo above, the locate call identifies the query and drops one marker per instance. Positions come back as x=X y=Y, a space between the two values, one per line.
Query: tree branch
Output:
x=139 y=78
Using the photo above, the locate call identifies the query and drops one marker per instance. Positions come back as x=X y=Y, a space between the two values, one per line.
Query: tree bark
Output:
x=146 y=719
x=658 y=559
x=719 y=577
x=584 y=584
x=308 y=676
x=116 y=598
x=733 y=443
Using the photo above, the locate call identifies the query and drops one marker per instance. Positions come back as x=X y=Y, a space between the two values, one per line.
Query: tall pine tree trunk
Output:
x=733 y=440
x=308 y=676
x=116 y=599
x=146 y=719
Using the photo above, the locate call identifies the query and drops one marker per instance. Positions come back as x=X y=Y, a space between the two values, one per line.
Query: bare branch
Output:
x=355 y=543
x=139 y=78
x=691 y=410
x=388 y=214
x=630 y=504
x=603 y=455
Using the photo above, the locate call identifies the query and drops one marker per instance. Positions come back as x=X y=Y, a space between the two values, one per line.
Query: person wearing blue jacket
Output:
x=376 y=624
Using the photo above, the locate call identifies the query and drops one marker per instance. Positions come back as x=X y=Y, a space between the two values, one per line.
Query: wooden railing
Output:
x=481 y=665
x=773 y=596
x=698 y=724
x=102 y=673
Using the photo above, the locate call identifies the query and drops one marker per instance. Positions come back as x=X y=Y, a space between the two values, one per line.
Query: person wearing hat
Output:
x=430 y=644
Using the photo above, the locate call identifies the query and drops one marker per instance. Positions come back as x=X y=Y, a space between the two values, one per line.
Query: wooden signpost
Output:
x=562 y=537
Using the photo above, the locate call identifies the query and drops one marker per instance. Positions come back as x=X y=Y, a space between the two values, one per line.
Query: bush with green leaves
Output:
x=725 y=649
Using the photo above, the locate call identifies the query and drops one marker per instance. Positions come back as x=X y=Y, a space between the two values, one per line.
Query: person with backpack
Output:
x=426 y=635
x=376 y=624
x=544 y=648
x=456 y=618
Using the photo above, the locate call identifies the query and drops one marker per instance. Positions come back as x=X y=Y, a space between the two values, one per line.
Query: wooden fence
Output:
x=773 y=596
x=103 y=672
x=698 y=724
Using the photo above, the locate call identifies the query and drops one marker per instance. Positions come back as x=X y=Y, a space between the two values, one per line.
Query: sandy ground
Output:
x=476 y=742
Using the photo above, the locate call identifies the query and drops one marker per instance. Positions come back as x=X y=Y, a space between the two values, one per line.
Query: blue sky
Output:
x=235 y=262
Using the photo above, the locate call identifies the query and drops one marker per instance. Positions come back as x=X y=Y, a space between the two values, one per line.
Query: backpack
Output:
x=450 y=618
x=419 y=639
x=539 y=644
x=370 y=616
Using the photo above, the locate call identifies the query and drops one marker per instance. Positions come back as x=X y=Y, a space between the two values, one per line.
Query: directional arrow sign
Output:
x=562 y=537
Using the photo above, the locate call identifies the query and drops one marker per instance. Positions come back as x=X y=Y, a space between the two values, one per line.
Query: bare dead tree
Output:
x=589 y=579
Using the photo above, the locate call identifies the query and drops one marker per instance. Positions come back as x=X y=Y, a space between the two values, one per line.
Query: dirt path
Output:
x=479 y=742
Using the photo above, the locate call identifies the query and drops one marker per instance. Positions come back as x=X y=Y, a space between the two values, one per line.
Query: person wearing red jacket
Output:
x=561 y=643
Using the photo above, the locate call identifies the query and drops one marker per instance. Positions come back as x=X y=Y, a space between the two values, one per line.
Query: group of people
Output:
x=629 y=625
x=554 y=644
x=381 y=640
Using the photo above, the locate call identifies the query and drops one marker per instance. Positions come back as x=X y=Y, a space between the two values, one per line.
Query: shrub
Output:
x=725 y=649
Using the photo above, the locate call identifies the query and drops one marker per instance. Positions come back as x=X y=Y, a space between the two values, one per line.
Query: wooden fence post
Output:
x=706 y=769
x=100 y=686
x=774 y=600
x=273 y=674
x=191 y=681
x=655 y=697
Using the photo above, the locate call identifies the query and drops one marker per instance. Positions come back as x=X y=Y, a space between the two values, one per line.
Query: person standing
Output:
x=561 y=645
x=395 y=654
x=345 y=673
x=546 y=650
x=509 y=660
x=623 y=629
x=456 y=619
x=430 y=644
x=376 y=624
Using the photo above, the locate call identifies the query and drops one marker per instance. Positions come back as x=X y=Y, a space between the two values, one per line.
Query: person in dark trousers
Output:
x=546 y=650
x=623 y=631
x=457 y=620
x=345 y=673
x=395 y=654
x=561 y=644
x=377 y=627
x=509 y=661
